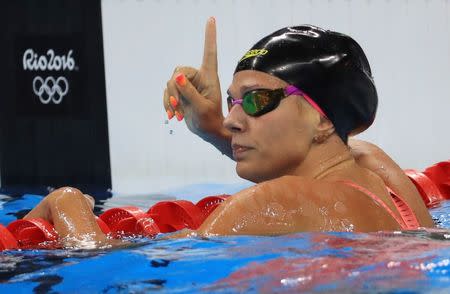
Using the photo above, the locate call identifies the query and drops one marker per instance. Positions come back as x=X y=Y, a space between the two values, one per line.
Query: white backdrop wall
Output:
x=407 y=43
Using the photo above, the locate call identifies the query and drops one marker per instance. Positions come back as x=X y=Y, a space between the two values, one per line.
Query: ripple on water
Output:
x=409 y=261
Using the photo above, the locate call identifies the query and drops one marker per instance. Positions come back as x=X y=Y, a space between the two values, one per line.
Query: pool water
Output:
x=403 y=262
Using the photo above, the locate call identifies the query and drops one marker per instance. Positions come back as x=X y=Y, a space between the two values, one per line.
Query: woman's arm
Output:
x=70 y=211
x=195 y=95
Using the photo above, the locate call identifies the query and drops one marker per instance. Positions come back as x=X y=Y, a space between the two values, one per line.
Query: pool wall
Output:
x=407 y=44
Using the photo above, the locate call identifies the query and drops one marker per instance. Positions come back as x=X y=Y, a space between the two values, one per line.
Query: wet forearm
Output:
x=73 y=218
x=71 y=214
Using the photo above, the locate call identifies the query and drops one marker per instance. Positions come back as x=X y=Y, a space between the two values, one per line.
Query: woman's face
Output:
x=276 y=143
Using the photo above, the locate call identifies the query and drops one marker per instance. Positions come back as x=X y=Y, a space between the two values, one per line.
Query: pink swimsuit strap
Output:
x=407 y=219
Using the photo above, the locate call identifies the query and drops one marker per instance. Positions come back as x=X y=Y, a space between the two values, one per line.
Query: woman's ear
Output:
x=325 y=129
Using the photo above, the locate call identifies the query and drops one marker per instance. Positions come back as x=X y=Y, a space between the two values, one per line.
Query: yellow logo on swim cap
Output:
x=253 y=53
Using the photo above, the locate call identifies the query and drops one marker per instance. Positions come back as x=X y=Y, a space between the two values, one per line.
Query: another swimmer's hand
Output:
x=194 y=94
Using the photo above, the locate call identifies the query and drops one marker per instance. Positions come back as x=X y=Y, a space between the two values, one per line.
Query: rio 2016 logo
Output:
x=49 y=89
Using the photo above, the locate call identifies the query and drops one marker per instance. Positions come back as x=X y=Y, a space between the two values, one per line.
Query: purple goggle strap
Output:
x=291 y=90
x=236 y=101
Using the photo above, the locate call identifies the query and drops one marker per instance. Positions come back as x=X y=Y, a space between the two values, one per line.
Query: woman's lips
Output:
x=239 y=151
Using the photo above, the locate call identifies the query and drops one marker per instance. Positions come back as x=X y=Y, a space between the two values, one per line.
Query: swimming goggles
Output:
x=260 y=101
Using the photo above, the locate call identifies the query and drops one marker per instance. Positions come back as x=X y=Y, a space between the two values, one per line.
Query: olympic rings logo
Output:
x=50 y=89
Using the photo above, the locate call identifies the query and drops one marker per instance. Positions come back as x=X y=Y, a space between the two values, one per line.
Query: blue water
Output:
x=330 y=262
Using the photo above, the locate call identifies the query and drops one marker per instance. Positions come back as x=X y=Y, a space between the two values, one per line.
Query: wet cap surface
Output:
x=329 y=67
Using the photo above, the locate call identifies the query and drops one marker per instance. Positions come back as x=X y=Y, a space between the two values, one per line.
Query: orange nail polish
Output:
x=179 y=116
x=169 y=114
x=173 y=101
x=180 y=79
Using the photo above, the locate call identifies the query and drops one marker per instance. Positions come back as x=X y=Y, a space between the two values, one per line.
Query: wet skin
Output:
x=292 y=154
x=299 y=173
x=276 y=143
x=71 y=213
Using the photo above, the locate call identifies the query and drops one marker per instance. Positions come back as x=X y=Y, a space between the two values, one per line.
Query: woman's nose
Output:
x=236 y=120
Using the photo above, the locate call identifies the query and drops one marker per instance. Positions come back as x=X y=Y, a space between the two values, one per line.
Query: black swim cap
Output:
x=331 y=68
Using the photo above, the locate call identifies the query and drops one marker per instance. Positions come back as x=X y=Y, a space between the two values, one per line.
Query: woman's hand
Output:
x=70 y=212
x=194 y=94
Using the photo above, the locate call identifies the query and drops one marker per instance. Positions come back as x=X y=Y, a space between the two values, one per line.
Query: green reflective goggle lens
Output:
x=260 y=101
x=257 y=102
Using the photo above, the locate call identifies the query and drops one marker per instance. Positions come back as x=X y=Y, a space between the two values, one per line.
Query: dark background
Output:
x=53 y=145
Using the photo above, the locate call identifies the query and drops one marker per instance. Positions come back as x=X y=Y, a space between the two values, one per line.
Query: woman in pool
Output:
x=295 y=98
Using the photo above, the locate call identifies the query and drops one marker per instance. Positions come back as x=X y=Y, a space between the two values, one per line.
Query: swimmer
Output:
x=296 y=97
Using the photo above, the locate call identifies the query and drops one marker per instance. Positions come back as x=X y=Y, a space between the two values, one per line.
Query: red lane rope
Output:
x=163 y=217
x=32 y=233
x=7 y=240
x=439 y=173
x=429 y=191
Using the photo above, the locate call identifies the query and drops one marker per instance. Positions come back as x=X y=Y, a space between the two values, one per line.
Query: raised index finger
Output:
x=210 y=49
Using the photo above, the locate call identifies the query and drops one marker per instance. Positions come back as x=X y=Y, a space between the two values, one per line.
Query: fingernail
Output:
x=179 y=116
x=173 y=101
x=180 y=79
x=213 y=19
x=169 y=114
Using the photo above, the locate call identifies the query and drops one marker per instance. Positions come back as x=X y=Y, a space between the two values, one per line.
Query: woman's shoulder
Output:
x=294 y=204
x=338 y=198
x=306 y=186
x=298 y=191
